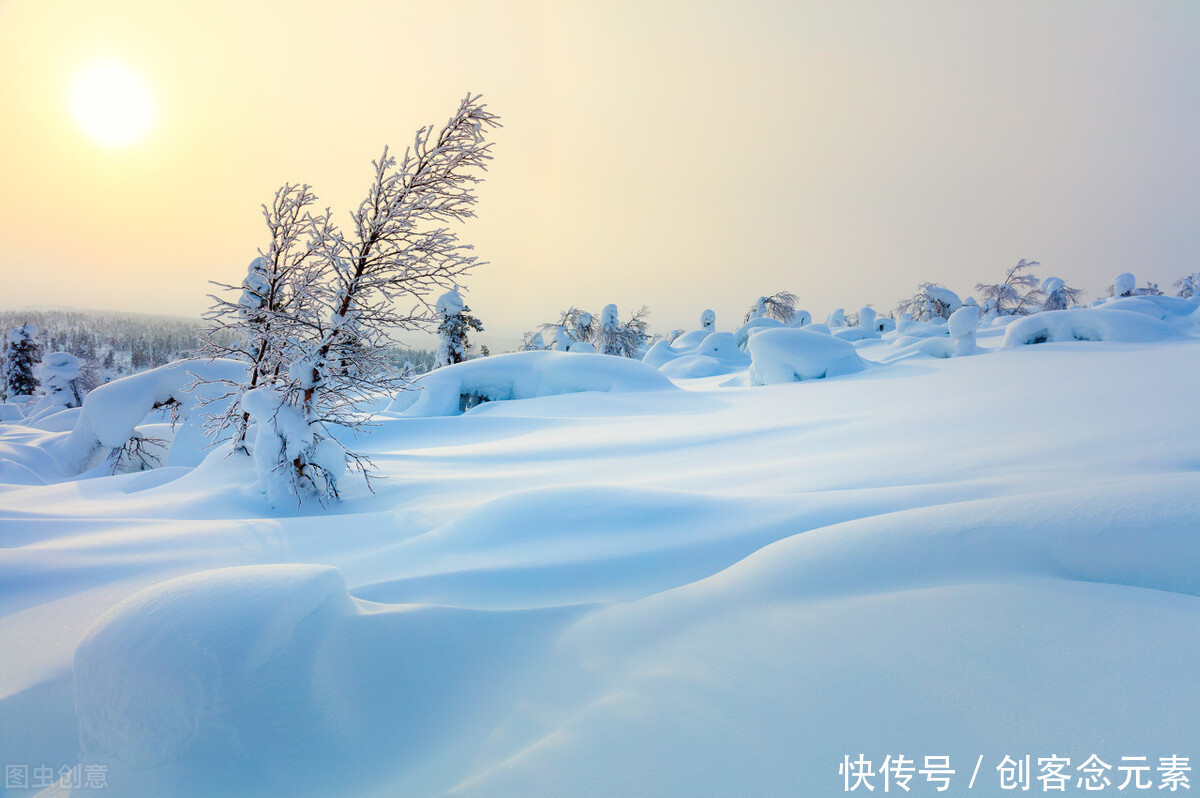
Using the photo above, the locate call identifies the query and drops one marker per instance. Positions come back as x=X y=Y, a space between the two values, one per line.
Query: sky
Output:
x=681 y=155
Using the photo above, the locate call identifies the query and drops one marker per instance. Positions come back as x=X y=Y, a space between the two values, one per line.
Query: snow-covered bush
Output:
x=1188 y=286
x=454 y=324
x=1015 y=295
x=532 y=342
x=1124 y=284
x=1091 y=324
x=801 y=318
x=106 y=428
x=708 y=321
x=21 y=356
x=523 y=375
x=788 y=355
x=1058 y=296
x=931 y=301
x=614 y=338
x=836 y=319
x=866 y=319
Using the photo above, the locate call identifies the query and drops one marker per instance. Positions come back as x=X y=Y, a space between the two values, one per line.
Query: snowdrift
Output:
x=716 y=353
x=788 y=355
x=1091 y=324
x=454 y=389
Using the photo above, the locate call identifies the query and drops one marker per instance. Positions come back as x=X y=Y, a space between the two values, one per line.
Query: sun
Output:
x=112 y=104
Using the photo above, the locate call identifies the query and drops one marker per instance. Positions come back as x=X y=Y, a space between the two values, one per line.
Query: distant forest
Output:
x=111 y=344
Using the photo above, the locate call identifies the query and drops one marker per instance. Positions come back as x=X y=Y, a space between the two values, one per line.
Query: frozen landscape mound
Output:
x=716 y=353
x=788 y=355
x=451 y=390
x=294 y=688
x=1090 y=324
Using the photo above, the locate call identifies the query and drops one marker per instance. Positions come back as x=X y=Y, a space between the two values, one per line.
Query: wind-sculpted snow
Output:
x=716 y=353
x=450 y=390
x=722 y=590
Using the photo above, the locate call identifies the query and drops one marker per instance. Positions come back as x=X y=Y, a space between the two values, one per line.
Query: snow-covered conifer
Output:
x=1016 y=295
x=866 y=319
x=454 y=324
x=836 y=319
x=21 y=356
x=962 y=325
x=1058 y=295
x=708 y=321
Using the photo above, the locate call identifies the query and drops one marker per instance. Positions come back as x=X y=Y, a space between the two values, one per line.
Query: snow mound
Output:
x=293 y=687
x=787 y=355
x=453 y=389
x=1091 y=324
x=716 y=353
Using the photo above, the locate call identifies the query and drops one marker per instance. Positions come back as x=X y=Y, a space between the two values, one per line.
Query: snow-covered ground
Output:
x=706 y=588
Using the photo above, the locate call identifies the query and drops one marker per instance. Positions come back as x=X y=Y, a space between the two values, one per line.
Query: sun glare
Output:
x=112 y=104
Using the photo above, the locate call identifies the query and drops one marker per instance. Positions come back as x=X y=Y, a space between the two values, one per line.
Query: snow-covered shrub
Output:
x=743 y=333
x=708 y=321
x=836 y=319
x=1124 y=284
x=454 y=324
x=1015 y=295
x=107 y=425
x=801 y=318
x=781 y=307
x=866 y=319
x=532 y=342
x=523 y=375
x=962 y=325
x=1188 y=286
x=1091 y=324
x=788 y=355
x=21 y=356
x=614 y=338
x=931 y=301
x=1058 y=296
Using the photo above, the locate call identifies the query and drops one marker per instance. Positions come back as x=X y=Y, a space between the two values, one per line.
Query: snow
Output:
x=1124 y=284
x=641 y=588
x=450 y=390
x=1090 y=324
x=786 y=355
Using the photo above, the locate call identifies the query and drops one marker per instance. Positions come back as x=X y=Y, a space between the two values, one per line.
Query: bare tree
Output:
x=781 y=307
x=1016 y=295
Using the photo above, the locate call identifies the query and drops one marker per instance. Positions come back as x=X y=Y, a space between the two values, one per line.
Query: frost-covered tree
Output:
x=931 y=301
x=614 y=338
x=574 y=327
x=1016 y=295
x=1058 y=295
x=367 y=282
x=781 y=307
x=21 y=356
x=454 y=325
x=63 y=379
x=271 y=312
x=533 y=342
x=1188 y=286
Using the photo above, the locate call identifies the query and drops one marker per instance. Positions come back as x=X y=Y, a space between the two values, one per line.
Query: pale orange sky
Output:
x=679 y=154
